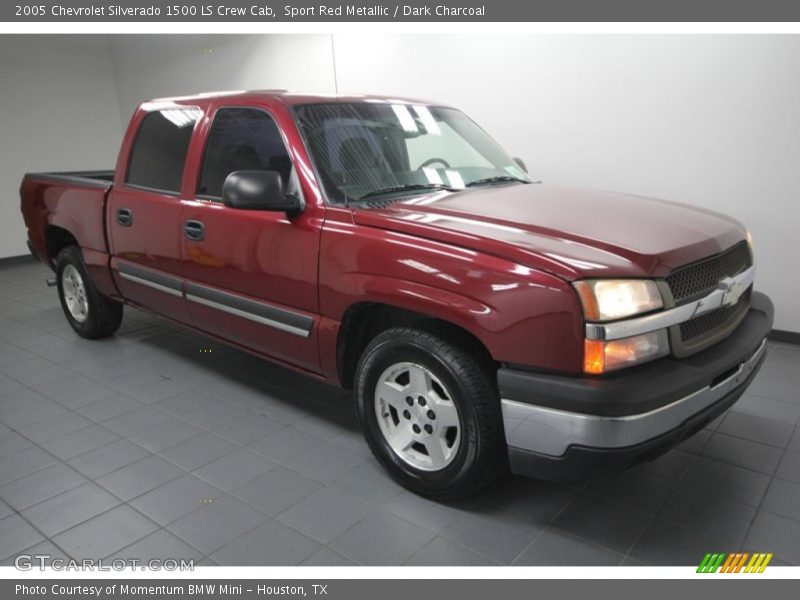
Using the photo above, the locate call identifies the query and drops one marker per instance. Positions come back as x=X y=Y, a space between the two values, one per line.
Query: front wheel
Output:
x=90 y=314
x=430 y=412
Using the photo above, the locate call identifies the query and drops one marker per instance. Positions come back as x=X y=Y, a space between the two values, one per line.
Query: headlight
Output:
x=600 y=357
x=609 y=299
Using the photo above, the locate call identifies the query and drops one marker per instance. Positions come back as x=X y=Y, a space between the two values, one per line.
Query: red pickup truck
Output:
x=388 y=245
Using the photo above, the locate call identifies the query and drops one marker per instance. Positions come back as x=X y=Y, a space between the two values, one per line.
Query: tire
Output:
x=445 y=462
x=90 y=314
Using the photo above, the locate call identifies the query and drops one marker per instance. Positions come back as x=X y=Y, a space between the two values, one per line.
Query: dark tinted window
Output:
x=242 y=139
x=159 y=150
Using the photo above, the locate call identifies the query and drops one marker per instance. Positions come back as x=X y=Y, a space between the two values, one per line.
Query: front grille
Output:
x=701 y=278
x=715 y=320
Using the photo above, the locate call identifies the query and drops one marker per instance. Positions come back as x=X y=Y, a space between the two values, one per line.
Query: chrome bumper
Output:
x=551 y=432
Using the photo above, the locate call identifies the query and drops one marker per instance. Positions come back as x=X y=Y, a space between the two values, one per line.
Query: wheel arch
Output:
x=56 y=238
x=364 y=320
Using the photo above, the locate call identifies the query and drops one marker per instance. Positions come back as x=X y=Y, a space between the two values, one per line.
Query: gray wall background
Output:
x=711 y=120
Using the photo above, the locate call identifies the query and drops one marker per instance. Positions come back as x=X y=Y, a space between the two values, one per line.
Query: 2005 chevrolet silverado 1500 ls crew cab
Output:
x=391 y=246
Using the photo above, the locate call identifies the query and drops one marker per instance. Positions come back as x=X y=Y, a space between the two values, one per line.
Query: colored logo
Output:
x=736 y=562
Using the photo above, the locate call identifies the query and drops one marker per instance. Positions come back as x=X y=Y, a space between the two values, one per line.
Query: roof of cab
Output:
x=286 y=96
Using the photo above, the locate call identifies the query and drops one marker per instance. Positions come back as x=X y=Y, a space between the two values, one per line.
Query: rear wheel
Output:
x=90 y=314
x=430 y=412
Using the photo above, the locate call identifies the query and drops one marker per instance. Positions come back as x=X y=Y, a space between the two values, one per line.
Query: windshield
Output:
x=366 y=150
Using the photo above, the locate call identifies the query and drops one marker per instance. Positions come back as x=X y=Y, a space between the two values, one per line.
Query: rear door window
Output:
x=159 y=150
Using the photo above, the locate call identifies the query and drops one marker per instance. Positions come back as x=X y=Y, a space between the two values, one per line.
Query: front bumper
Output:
x=566 y=428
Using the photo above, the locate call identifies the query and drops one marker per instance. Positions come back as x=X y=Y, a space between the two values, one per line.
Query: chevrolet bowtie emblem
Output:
x=732 y=291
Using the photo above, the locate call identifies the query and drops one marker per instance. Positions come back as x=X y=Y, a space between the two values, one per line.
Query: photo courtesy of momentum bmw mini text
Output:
x=399 y=299
x=124 y=589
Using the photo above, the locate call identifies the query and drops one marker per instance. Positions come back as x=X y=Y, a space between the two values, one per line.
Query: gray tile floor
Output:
x=161 y=443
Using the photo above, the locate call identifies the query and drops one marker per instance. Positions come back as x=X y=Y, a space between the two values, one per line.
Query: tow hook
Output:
x=51 y=282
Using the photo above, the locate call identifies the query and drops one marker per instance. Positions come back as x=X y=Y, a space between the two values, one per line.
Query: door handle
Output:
x=125 y=217
x=194 y=231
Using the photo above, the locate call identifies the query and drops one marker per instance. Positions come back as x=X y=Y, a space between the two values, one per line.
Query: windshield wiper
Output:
x=496 y=179
x=404 y=188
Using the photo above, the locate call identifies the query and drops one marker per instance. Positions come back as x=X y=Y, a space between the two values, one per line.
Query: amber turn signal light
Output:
x=594 y=357
x=600 y=356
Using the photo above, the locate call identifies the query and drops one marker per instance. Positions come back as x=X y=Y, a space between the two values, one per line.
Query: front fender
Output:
x=521 y=315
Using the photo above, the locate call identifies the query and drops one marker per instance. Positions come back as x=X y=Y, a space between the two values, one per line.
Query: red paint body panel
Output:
x=494 y=261
x=521 y=315
x=264 y=256
x=153 y=242
x=258 y=253
x=76 y=208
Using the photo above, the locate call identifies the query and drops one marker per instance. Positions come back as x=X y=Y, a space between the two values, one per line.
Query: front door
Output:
x=251 y=275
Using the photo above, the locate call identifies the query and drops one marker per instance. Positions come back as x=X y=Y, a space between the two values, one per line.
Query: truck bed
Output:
x=72 y=201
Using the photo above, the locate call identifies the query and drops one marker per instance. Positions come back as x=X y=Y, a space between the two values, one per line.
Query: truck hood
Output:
x=569 y=232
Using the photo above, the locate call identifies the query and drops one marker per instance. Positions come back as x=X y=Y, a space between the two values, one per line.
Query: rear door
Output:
x=251 y=275
x=144 y=210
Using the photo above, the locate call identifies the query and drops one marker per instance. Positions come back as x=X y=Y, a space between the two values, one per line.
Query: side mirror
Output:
x=259 y=190
x=520 y=163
